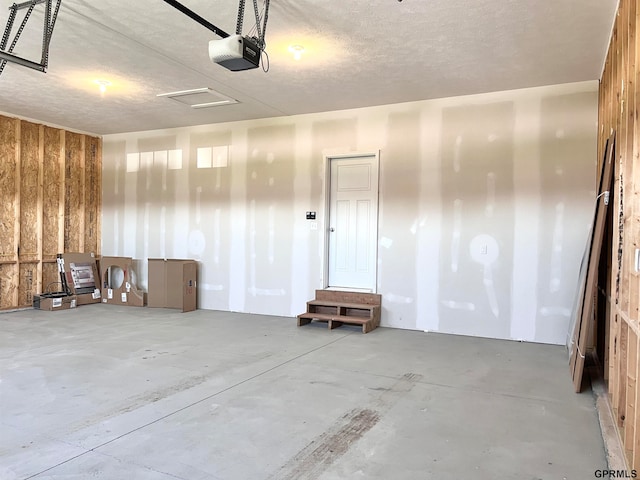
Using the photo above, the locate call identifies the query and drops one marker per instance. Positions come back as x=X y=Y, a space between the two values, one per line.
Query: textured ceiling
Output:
x=357 y=54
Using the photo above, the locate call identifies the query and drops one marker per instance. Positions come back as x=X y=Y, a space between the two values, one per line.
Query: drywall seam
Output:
x=526 y=181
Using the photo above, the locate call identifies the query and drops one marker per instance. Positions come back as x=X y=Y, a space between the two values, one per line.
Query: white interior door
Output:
x=353 y=222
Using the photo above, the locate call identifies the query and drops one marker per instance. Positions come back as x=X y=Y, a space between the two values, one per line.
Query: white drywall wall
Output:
x=485 y=204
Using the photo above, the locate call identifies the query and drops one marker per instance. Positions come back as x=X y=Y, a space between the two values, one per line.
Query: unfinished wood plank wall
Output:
x=618 y=110
x=50 y=201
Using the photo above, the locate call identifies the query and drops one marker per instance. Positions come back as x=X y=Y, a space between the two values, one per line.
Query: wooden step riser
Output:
x=367 y=326
x=337 y=318
x=349 y=297
x=364 y=312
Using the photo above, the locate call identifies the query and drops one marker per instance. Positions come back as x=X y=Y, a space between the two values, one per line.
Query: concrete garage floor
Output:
x=151 y=394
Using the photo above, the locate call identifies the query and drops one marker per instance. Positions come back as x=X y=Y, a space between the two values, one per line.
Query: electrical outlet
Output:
x=483 y=249
x=314 y=225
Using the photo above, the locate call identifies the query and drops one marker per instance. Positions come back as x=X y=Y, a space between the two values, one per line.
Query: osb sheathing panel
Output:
x=27 y=284
x=50 y=277
x=52 y=184
x=29 y=179
x=92 y=191
x=8 y=171
x=8 y=285
x=44 y=204
x=74 y=193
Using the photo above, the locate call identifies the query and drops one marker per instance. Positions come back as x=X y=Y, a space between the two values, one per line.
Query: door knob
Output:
x=331 y=229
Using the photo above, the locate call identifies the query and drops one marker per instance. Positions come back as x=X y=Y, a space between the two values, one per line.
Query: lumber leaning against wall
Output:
x=618 y=110
x=50 y=203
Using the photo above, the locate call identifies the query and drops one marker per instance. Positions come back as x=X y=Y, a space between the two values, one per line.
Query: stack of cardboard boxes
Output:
x=86 y=279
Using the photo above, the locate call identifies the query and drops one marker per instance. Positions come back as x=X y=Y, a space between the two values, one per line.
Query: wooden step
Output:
x=335 y=321
x=338 y=307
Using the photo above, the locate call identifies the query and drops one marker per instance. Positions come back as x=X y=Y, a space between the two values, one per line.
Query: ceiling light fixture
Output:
x=297 y=51
x=103 y=84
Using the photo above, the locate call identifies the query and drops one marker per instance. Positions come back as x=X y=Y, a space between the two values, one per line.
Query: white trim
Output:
x=349 y=289
x=326 y=192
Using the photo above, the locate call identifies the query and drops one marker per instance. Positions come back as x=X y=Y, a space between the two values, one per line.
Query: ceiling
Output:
x=356 y=54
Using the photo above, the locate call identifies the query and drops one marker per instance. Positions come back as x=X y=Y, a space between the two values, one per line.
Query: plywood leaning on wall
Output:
x=584 y=307
x=618 y=111
x=50 y=202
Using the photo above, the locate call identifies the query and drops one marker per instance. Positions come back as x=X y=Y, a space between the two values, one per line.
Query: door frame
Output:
x=327 y=209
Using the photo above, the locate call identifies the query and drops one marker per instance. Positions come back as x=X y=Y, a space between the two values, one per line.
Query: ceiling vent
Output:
x=200 y=98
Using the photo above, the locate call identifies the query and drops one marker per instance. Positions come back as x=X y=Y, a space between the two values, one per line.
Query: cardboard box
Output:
x=124 y=292
x=173 y=284
x=54 y=301
x=80 y=276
